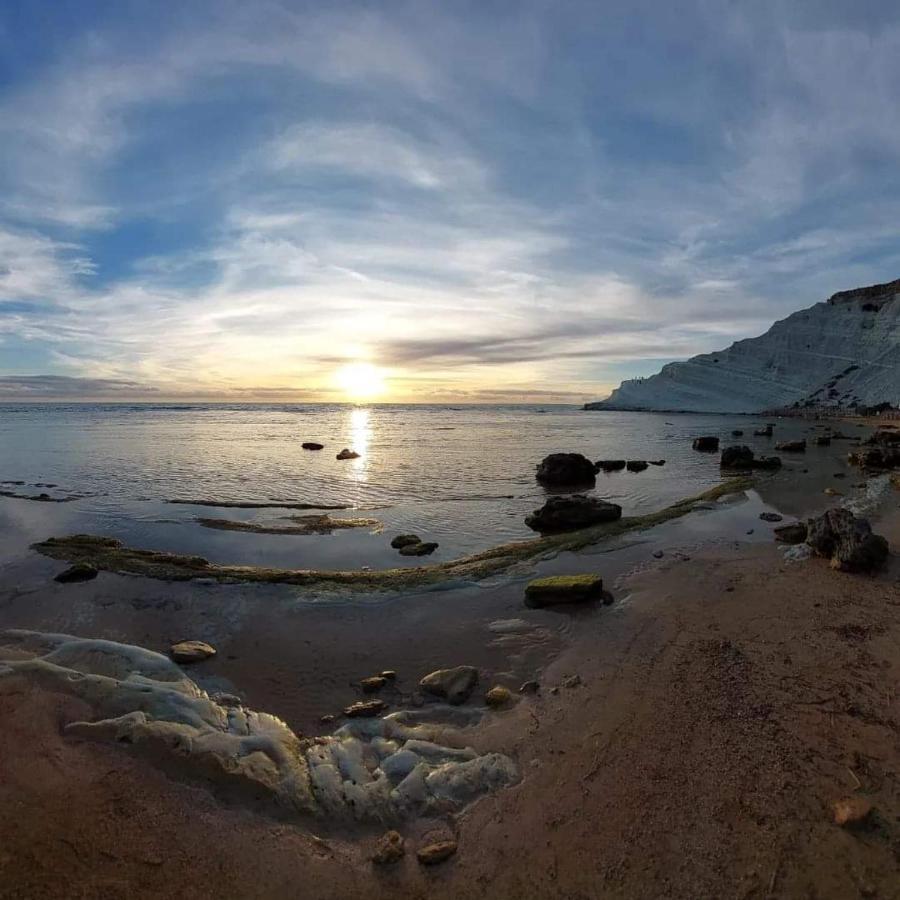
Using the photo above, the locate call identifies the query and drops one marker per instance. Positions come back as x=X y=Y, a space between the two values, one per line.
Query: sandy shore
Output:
x=719 y=708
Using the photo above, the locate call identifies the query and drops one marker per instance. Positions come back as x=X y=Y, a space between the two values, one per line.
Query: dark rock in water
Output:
x=405 y=540
x=847 y=540
x=388 y=675
x=767 y=462
x=373 y=684
x=875 y=458
x=636 y=465
x=736 y=457
x=763 y=432
x=881 y=438
x=823 y=440
x=453 y=685
x=571 y=513
x=185 y=652
x=770 y=517
x=78 y=572
x=365 y=709
x=390 y=849
x=610 y=465
x=791 y=446
x=557 y=589
x=347 y=454
x=529 y=687
x=737 y=433
x=566 y=470
x=707 y=444
x=795 y=533
x=656 y=462
x=312 y=445
x=436 y=853
x=423 y=548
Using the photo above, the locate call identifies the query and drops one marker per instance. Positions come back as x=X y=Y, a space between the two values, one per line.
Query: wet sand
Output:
x=725 y=700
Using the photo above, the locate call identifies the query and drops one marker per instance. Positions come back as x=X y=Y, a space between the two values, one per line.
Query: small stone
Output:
x=707 y=444
x=770 y=517
x=390 y=849
x=453 y=685
x=795 y=533
x=347 y=454
x=327 y=719
x=405 y=540
x=573 y=681
x=658 y=554
x=791 y=446
x=563 y=589
x=529 y=687
x=365 y=709
x=388 y=675
x=185 y=652
x=851 y=811
x=79 y=572
x=656 y=462
x=435 y=853
x=373 y=684
x=833 y=492
x=423 y=548
x=312 y=445
x=497 y=696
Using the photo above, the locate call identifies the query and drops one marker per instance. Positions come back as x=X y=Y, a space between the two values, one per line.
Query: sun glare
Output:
x=360 y=381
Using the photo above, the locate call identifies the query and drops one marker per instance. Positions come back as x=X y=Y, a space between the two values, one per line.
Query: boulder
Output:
x=435 y=853
x=453 y=685
x=373 y=684
x=365 y=709
x=185 y=652
x=610 y=465
x=347 y=454
x=736 y=457
x=706 y=444
x=423 y=548
x=847 y=540
x=764 y=432
x=791 y=446
x=312 y=445
x=79 y=572
x=851 y=811
x=880 y=438
x=795 y=533
x=556 y=589
x=498 y=696
x=656 y=462
x=566 y=470
x=880 y=458
x=389 y=849
x=571 y=513
x=405 y=540
x=636 y=465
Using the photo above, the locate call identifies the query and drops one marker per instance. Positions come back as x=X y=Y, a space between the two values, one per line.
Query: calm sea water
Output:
x=463 y=477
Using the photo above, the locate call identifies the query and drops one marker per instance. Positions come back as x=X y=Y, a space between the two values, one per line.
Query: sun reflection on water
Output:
x=360 y=434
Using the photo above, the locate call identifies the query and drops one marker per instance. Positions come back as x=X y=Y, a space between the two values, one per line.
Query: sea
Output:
x=463 y=477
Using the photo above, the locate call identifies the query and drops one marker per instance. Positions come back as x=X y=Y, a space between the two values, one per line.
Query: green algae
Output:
x=323 y=524
x=111 y=555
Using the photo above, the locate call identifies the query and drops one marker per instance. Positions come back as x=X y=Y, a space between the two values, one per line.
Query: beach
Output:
x=687 y=740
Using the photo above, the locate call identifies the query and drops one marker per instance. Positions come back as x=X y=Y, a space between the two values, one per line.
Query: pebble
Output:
x=851 y=811
x=435 y=853
x=373 y=684
x=364 y=709
x=497 y=696
x=529 y=687
x=390 y=849
x=191 y=651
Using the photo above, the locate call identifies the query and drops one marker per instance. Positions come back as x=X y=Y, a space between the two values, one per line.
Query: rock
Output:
x=791 y=446
x=389 y=849
x=767 y=462
x=840 y=475
x=232 y=701
x=372 y=685
x=707 y=444
x=763 y=432
x=832 y=492
x=388 y=675
x=610 y=465
x=453 y=685
x=78 y=572
x=498 y=696
x=823 y=440
x=636 y=465
x=432 y=854
x=847 y=540
x=656 y=462
x=736 y=457
x=795 y=533
x=327 y=719
x=851 y=811
x=573 y=681
x=875 y=458
x=737 y=433
x=312 y=445
x=365 y=709
x=658 y=554
x=423 y=548
x=185 y=652
x=557 y=589
x=770 y=517
x=405 y=540
x=347 y=454
x=529 y=687
x=566 y=470
x=571 y=513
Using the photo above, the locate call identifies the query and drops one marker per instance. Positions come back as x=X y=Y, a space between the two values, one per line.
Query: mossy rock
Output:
x=556 y=589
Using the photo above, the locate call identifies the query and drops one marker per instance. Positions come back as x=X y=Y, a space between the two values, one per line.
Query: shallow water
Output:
x=461 y=477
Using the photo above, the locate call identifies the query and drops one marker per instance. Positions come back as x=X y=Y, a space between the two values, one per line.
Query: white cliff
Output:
x=844 y=352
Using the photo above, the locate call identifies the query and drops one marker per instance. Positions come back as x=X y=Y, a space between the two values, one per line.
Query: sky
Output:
x=428 y=202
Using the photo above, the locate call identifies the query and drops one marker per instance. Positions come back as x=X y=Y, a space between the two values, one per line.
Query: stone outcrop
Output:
x=707 y=444
x=453 y=685
x=571 y=513
x=566 y=470
x=556 y=589
x=847 y=540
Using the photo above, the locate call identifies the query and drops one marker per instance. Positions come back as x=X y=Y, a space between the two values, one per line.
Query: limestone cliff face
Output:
x=842 y=352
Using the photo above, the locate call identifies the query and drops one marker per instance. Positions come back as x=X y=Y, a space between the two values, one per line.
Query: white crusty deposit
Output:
x=839 y=353
x=374 y=769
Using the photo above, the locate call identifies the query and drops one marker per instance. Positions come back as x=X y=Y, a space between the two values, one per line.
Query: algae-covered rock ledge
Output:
x=110 y=555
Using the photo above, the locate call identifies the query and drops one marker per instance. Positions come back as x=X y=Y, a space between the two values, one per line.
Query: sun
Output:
x=360 y=381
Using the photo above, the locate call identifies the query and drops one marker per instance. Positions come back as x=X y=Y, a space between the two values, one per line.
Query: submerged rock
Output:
x=847 y=540
x=556 y=589
x=405 y=540
x=610 y=465
x=707 y=444
x=737 y=433
x=453 y=685
x=636 y=465
x=373 y=684
x=572 y=513
x=767 y=462
x=390 y=849
x=432 y=854
x=795 y=533
x=347 y=454
x=791 y=446
x=78 y=572
x=736 y=457
x=770 y=517
x=423 y=548
x=763 y=432
x=312 y=445
x=566 y=470
x=186 y=652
